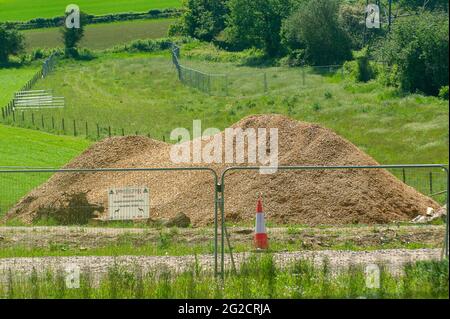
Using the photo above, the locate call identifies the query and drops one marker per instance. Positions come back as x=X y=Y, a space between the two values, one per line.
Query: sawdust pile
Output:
x=306 y=197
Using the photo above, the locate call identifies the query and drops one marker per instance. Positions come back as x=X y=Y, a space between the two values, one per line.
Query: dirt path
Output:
x=308 y=238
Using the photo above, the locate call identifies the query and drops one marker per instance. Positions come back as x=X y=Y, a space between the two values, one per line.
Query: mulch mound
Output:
x=303 y=197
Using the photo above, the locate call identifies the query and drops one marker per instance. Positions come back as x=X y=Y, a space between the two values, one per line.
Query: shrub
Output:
x=202 y=19
x=315 y=28
x=419 y=47
x=351 y=22
x=256 y=23
x=11 y=43
x=443 y=92
x=364 y=70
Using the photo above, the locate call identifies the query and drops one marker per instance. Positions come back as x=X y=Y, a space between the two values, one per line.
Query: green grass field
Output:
x=24 y=10
x=13 y=79
x=101 y=36
x=144 y=89
x=22 y=147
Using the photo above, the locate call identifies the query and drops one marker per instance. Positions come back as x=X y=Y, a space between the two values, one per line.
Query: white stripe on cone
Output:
x=260 y=223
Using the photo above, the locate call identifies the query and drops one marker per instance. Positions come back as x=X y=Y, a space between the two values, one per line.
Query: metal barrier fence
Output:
x=256 y=81
x=23 y=193
x=41 y=194
x=306 y=171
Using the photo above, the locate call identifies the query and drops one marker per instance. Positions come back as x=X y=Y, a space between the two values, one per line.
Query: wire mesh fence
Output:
x=61 y=203
x=255 y=81
x=47 y=66
x=333 y=196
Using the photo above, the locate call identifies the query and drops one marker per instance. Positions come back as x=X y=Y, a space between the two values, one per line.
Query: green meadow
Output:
x=259 y=277
x=389 y=126
x=100 y=36
x=13 y=79
x=24 y=10
x=31 y=148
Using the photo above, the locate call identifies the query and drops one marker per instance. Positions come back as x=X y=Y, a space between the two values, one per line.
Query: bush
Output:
x=149 y=45
x=364 y=70
x=443 y=92
x=419 y=47
x=389 y=76
x=315 y=28
x=257 y=24
x=351 y=21
x=11 y=43
x=92 y=19
x=202 y=19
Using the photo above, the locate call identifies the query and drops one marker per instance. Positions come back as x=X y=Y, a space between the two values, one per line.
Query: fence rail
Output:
x=47 y=66
x=225 y=240
x=17 y=182
x=37 y=99
x=248 y=83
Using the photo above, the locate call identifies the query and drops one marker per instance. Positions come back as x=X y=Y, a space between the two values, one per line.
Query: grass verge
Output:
x=259 y=277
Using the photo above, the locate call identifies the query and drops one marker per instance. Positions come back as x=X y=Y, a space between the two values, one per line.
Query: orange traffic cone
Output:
x=261 y=240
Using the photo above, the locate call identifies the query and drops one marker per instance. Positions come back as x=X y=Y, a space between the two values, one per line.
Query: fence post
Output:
x=209 y=84
x=109 y=131
x=98 y=131
x=226 y=84
x=303 y=76
x=404 y=175
x=63 y=126
x=53 y=122
x=265 y=83
x=42 y=120
x=74 y=128
x=431 y=183
x=87 y=129
x=23 y=117
x=32 y=118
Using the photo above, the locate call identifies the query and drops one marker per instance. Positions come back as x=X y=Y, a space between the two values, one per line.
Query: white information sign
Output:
x=129 y=203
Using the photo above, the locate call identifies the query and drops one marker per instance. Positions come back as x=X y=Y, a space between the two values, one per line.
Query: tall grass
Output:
x=258 y=277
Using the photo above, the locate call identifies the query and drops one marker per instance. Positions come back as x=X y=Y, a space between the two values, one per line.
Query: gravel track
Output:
x=98 y=266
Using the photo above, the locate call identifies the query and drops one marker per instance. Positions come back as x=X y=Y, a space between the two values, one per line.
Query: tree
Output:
x=11 y=43
x=315 y=29
x=418 y=46
x=423 y=4
x=203 y=19
x=256 y=23
x=72 y=36
x=351 y=18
